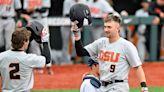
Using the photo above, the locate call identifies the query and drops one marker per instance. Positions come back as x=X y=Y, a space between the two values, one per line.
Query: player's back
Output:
x=16 y=70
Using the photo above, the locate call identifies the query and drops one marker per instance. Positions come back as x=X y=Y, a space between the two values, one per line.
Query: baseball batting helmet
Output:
x=36 y=30
x=80 y=12
x=92 y=62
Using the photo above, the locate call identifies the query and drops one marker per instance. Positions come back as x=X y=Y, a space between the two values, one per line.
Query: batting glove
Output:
x=144 y=89
x=45 y=35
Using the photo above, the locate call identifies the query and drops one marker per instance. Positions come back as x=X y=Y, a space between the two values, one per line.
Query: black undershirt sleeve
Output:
x=80 y=50
x=46 y=52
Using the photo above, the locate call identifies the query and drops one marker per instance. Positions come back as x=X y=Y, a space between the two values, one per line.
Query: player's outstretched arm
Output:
x=46 y=52
x=141 y=77
x=80 y=50
x=41 y=35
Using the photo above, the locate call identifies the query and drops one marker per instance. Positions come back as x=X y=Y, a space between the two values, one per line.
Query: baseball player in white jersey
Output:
x=91 y=82
x=115 y=56
x=16 y=66
x=37 y=10
x=8 y=10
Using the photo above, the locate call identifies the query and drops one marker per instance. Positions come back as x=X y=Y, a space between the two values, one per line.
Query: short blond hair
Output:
x=113 y=17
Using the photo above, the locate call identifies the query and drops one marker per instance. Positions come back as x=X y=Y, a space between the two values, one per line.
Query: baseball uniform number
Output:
x=112 y=68
x=14 y=70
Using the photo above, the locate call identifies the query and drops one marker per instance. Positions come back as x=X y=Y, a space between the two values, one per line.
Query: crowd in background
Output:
x=63 y=52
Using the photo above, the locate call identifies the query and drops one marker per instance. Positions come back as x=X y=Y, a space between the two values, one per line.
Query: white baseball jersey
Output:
x=37 y=4
x=99 y=7
x=115 y=58
x=16 y=68
x=86 y=85
x=7 y=7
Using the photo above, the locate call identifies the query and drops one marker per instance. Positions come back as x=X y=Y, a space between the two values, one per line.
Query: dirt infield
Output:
x=69 y=76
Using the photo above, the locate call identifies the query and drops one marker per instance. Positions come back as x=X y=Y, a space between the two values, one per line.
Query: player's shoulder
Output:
x=102 y=39
x=92 y=80
x=126 y=43
x=4 y=53
x=31 y=55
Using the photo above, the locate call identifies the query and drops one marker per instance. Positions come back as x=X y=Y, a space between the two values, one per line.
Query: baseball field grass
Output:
x=151 y=89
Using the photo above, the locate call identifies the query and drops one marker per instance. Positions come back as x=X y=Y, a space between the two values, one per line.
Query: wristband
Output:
x=143 y=84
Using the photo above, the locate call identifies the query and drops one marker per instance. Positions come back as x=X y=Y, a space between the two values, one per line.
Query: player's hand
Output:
x=76 y=31
x=45 y=35
x=144 y=89
x=74 y=27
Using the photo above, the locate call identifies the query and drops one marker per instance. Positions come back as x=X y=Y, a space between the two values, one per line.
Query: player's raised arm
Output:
x=41 y=35
x=80 y=50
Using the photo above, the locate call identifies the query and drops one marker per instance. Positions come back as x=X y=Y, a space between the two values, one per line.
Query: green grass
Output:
x=55 y=91
x=151 y=89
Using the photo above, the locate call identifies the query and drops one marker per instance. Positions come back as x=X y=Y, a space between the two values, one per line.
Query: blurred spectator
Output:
x=126 y=8
x=157 y=9
x=66 y=33
x=129 y=6
x=141 y=29
x=99 y=9
x=9 y=9
x=37 y=10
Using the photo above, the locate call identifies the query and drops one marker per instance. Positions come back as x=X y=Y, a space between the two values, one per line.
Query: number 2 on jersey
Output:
x=14 y=71
x=112 y=68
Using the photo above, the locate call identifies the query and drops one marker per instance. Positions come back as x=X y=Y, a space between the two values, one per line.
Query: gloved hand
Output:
x=45 y=35
x=76 y=31
x=144 y=89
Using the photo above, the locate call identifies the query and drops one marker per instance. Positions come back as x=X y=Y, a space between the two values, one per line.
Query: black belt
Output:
x=105 y=83
x=4 y=17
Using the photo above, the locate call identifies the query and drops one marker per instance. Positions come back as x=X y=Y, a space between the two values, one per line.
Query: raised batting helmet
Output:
x=36 y=30
x=80 y=12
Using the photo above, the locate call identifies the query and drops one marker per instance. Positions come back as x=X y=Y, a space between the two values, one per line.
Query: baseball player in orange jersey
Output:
x=16 y=66
x=115 y=54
